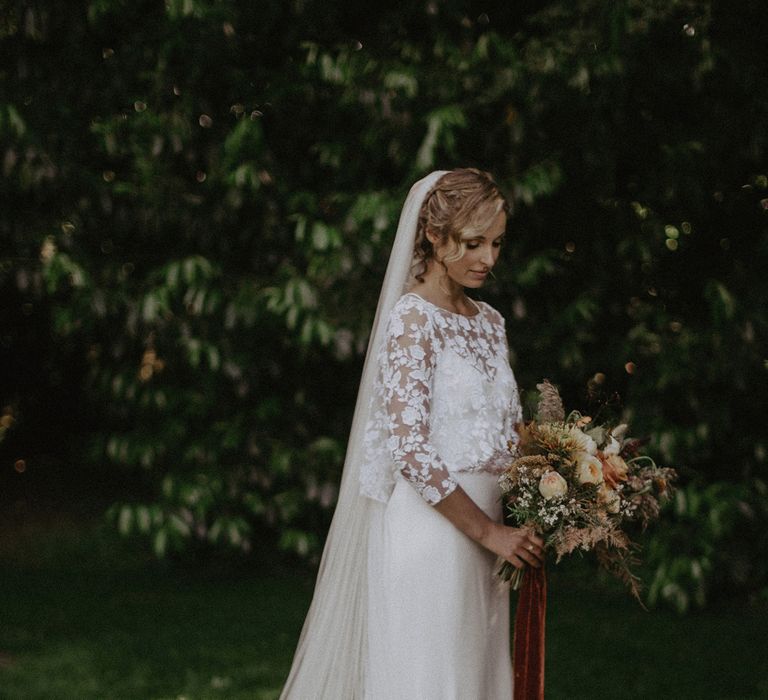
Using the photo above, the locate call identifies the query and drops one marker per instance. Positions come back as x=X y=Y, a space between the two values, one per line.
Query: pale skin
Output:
x=445 y=287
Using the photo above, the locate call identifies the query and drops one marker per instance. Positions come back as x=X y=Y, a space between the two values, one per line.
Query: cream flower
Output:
x=589 y=470
x=609 y=498
x=584 y=443
x=552 y=485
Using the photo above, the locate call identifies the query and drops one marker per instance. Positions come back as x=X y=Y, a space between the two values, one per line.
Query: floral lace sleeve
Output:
x=408 y=371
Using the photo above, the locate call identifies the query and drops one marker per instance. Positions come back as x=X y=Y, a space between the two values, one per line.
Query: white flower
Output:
x=619 y=431
x=552 y=485
x=589 y=470
x=609 y=498
x=583 y=441
x=613 y=446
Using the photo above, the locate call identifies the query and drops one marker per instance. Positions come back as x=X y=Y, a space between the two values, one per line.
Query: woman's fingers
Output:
x=522 y=557
x=522 y=546
x=528 y=557
x=529 y=548
x=534 y=548
x=534 y=544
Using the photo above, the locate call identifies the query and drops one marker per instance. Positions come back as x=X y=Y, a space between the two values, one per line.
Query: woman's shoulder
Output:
x=411 y=300
x=412 y=312
x=412 y=305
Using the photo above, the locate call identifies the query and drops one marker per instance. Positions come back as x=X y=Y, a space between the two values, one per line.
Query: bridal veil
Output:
x=330 y=658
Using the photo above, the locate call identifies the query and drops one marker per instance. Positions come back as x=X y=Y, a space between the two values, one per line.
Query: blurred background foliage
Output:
x=197 y=204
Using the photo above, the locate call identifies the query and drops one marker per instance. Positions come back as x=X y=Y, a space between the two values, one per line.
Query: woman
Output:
x=406 y=604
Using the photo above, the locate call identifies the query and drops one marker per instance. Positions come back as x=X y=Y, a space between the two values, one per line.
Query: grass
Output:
x=82 y=616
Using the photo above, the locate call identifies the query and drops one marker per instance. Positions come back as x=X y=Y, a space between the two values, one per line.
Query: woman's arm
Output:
x=407 y=375
x=518 y=546
x=407 y=380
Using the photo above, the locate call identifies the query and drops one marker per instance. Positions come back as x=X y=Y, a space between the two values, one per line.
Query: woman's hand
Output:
x=517 y=545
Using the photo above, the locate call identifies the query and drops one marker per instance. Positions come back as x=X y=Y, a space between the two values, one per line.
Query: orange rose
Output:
x=615 y=469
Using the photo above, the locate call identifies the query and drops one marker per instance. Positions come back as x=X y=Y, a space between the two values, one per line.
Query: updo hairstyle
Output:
x=463 y=202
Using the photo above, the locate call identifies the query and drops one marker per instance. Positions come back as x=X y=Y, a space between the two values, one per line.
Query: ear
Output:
x=432 y=237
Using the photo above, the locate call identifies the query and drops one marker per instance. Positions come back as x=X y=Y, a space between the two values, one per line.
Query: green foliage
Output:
x=712 y=539
x=198 y=200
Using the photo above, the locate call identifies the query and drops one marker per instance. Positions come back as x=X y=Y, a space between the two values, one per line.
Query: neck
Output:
x=441 y=290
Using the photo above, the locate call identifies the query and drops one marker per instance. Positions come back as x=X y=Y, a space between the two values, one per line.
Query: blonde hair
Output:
x=463 y=201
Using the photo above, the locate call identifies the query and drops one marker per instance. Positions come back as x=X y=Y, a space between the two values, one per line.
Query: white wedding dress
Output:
x=405 y=606
x=444 y=405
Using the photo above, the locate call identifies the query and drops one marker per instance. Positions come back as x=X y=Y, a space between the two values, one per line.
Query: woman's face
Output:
x=482 y=251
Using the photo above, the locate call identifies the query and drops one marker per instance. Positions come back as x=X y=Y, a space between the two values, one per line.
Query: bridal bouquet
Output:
x=577 y=484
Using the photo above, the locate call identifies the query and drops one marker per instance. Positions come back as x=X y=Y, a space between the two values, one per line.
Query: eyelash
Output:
x=473 y=245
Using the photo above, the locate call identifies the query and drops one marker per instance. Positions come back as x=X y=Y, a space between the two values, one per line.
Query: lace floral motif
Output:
x=445 y=400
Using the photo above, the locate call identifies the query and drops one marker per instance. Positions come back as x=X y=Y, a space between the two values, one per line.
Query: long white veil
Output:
x=330 y=657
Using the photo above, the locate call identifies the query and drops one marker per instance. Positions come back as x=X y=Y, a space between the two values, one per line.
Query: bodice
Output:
x=445 y=400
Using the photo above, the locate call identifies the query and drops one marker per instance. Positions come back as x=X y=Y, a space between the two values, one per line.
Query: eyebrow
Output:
x=482 y=238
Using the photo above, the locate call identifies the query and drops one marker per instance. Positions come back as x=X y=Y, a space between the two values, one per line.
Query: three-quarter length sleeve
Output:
x=408 y=372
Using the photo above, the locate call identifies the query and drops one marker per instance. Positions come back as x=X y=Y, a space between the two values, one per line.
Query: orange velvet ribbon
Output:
x=529 y=635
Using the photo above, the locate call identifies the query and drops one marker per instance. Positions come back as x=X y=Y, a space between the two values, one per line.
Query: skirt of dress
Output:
x=438 y=622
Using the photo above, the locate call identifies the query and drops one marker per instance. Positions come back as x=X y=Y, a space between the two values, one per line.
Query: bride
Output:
x=406 y=603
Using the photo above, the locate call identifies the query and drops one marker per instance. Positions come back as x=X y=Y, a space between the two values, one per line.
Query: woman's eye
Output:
x=497 y=244
x=472 y=246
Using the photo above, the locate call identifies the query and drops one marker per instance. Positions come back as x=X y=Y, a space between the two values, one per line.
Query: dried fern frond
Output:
x=550 y=404
x=620 y=563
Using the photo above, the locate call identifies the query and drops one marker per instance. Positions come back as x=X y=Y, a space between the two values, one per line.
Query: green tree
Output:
x=198 y=200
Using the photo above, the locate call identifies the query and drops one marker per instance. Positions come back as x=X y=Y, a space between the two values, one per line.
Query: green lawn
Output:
x=83 y=618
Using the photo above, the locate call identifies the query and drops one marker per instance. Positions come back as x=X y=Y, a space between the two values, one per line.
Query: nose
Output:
x=487 y=257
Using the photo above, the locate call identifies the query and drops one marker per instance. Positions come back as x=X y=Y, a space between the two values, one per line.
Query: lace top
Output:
x=445 y=400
